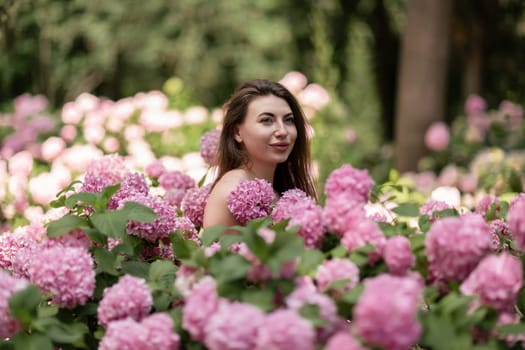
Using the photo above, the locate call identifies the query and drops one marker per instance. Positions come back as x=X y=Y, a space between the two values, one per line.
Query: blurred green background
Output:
x=198 y=51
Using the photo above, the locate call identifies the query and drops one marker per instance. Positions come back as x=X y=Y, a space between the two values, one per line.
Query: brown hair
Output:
x=295 y=172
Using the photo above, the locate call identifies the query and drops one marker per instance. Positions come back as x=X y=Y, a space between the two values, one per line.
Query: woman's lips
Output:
x=281 y=146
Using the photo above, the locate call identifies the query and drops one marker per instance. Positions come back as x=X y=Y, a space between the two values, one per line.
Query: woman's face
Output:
x=268 y=132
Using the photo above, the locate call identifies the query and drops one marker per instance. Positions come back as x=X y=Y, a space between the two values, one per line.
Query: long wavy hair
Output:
x=296 y=171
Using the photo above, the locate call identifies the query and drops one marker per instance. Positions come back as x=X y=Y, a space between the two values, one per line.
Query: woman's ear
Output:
x=237 y=135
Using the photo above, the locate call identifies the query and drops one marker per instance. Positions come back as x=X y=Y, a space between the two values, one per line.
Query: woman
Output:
x=263 y=136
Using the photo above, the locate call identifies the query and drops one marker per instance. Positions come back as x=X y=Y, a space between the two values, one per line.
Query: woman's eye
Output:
x=266 y=120
x=289 y=120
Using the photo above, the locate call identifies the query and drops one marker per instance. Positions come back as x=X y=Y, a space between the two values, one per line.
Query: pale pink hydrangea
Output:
x=158 y=228
x=209 y=143
x=287 y=201
x=315 y=96
x=365 y=232
x=176 y=179
x=233 y=326
x=186 y=278
x=129 y=297
x=11 y=243
x=9 y=285
x=343 y=340
x=340 y=214
x=27 y=104
x=251 y=199
x=484 y=204
x=65 y=272
x=284 y=329
x=455 y=245
x=174 y=196
x=513 y=111
x=474 y=105
x=52 y=148
x=294 y=81
x=354 y=183
x=106 y=171
x=391 y=323
x=337 y=269
x=516 y=220
x=133 y=184
x=437 y=136
x=194 y=202
x=398 y=256
x=75 y=238
x=187 y=228
x=431 y=206
x=496 y=280
x=155 y=332
x=155 y=169
x=199 y=306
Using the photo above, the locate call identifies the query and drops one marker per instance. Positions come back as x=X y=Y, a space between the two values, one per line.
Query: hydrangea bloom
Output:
x=194 y=202
x=516 y=220
x=484 y=204
x=198 y=308
x=335 y=270
x=398 y=256
x=437 y=136
x=187 y=227
x=391 y=323
x=496 y=280
x=354 y=183
x=130 y=297
x=251 y=199
x=340 y=214
x=10 y=244
x=431 y=206
x=174 y=196
x=455 y=245
x=132 y=184
x=365 y=232
x=175 y=179
x=499 y=228
x=74 y=238
x=286 y=203
x=283 y=330
x=158 y=228
x=209 y=143
x=187 y=278
x=106 y=171
x=9 y=285
x=65 y=272
x=343 y=340
x=233 y=326
x=155 y=169
x=153 y=333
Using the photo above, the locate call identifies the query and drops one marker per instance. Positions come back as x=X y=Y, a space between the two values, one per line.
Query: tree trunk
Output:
x=422 y=77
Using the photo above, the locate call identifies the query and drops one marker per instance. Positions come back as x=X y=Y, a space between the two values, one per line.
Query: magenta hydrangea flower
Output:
x=74 y=238
x=130 y=297
x=340 y=214
x=106 y=171
x=153 y=333
x=155 y=169
x=176 y=179
x=133 y=184
x=484 y=204
x=500 y=228
x=286 y=203
x=158 y=228
x=187 y=227
x=233 y=326
x=365 y=232
x=398 y=255
x=343 y=340
x=516 y=220
x=284 y=329
x=174 y=196
x=455 y=245
x=67 y=273
x=9 y=285
x=209 y=144
x=335 y=270
x=496 y=280
x=354 y=183
x=199 y=306
x=11 y=243
x=431 y=206
x=251 y=199
x=194 y=202
x=392 y=323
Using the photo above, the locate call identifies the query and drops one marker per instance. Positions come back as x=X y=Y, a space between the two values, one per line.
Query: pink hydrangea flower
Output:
x=499 y=228
x=294 y=81
x=209 y=144
x=496 y=280
x=233 y=326
x=485 y=203
x=133 y=184
x=130 y=297
x=65 y=272
x=153 y=333
x=516 y=220
x=513 y=111
x=174 y=197
x=340 y=214
x=194 y=202
x=187 y=227
x=437 y=136
x=392 y=323
x=398 y=256
x=11 y=243
x=158 y=228
x=365 y=232
x=354 y=183
x=155 y=169
x=431 y=206
x=103 y=172
x=284 y=330
x=335 y=270
x=75 y=238
x=286 y=203
x=343 y=340
x=475 y=104
x=199 y=306
x=251 y=199
x=455 y=245
x=176 y=179
x=9 y=285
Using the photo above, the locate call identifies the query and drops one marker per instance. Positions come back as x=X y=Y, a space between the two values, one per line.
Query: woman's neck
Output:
x=260 y=172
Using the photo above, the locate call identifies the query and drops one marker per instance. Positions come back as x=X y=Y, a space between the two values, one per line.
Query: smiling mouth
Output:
x=281 y=146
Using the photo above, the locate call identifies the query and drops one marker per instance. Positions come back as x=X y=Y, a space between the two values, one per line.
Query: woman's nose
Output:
x=280 y=129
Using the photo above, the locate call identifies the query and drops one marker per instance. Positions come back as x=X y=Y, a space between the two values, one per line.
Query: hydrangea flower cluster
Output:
x=209 y=144
x=251 y=199
x=343 y=340
x=9 y=285
x=158 y=228
x=129 y=297
x=353 y=183
x=105 y=171
x=284 y=329
x=365 y=232
x=187 y=227
x=199 y=305
x=132 y=184
x=496 y=280
x=398 y=255
x=287 y=201
x=65 y=272
x=337 y=269
x=194 y=202
x=341 y=214
x=155 y=169
x=455 y=245
x=484 y=204
x=431 y=206
x=176 y=180
x=516 y=221
x=391 y=323
x=153 y=333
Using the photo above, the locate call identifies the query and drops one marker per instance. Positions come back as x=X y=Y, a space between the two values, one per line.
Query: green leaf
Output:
x=309 y=262
x=353 y=295
x=64 y=225
x=407 y=209
x=84 y=197
x=182 y=248
x=136 y=268
x=67 y=333
x=262 y=298
x=33 y=341
x=23 y=304
x=511 y=329
x=106 y=261
x=311 y=313
x=230 y=268
x=138 y=212
x=110 y=223
x=162 y=273
x=212 y=234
